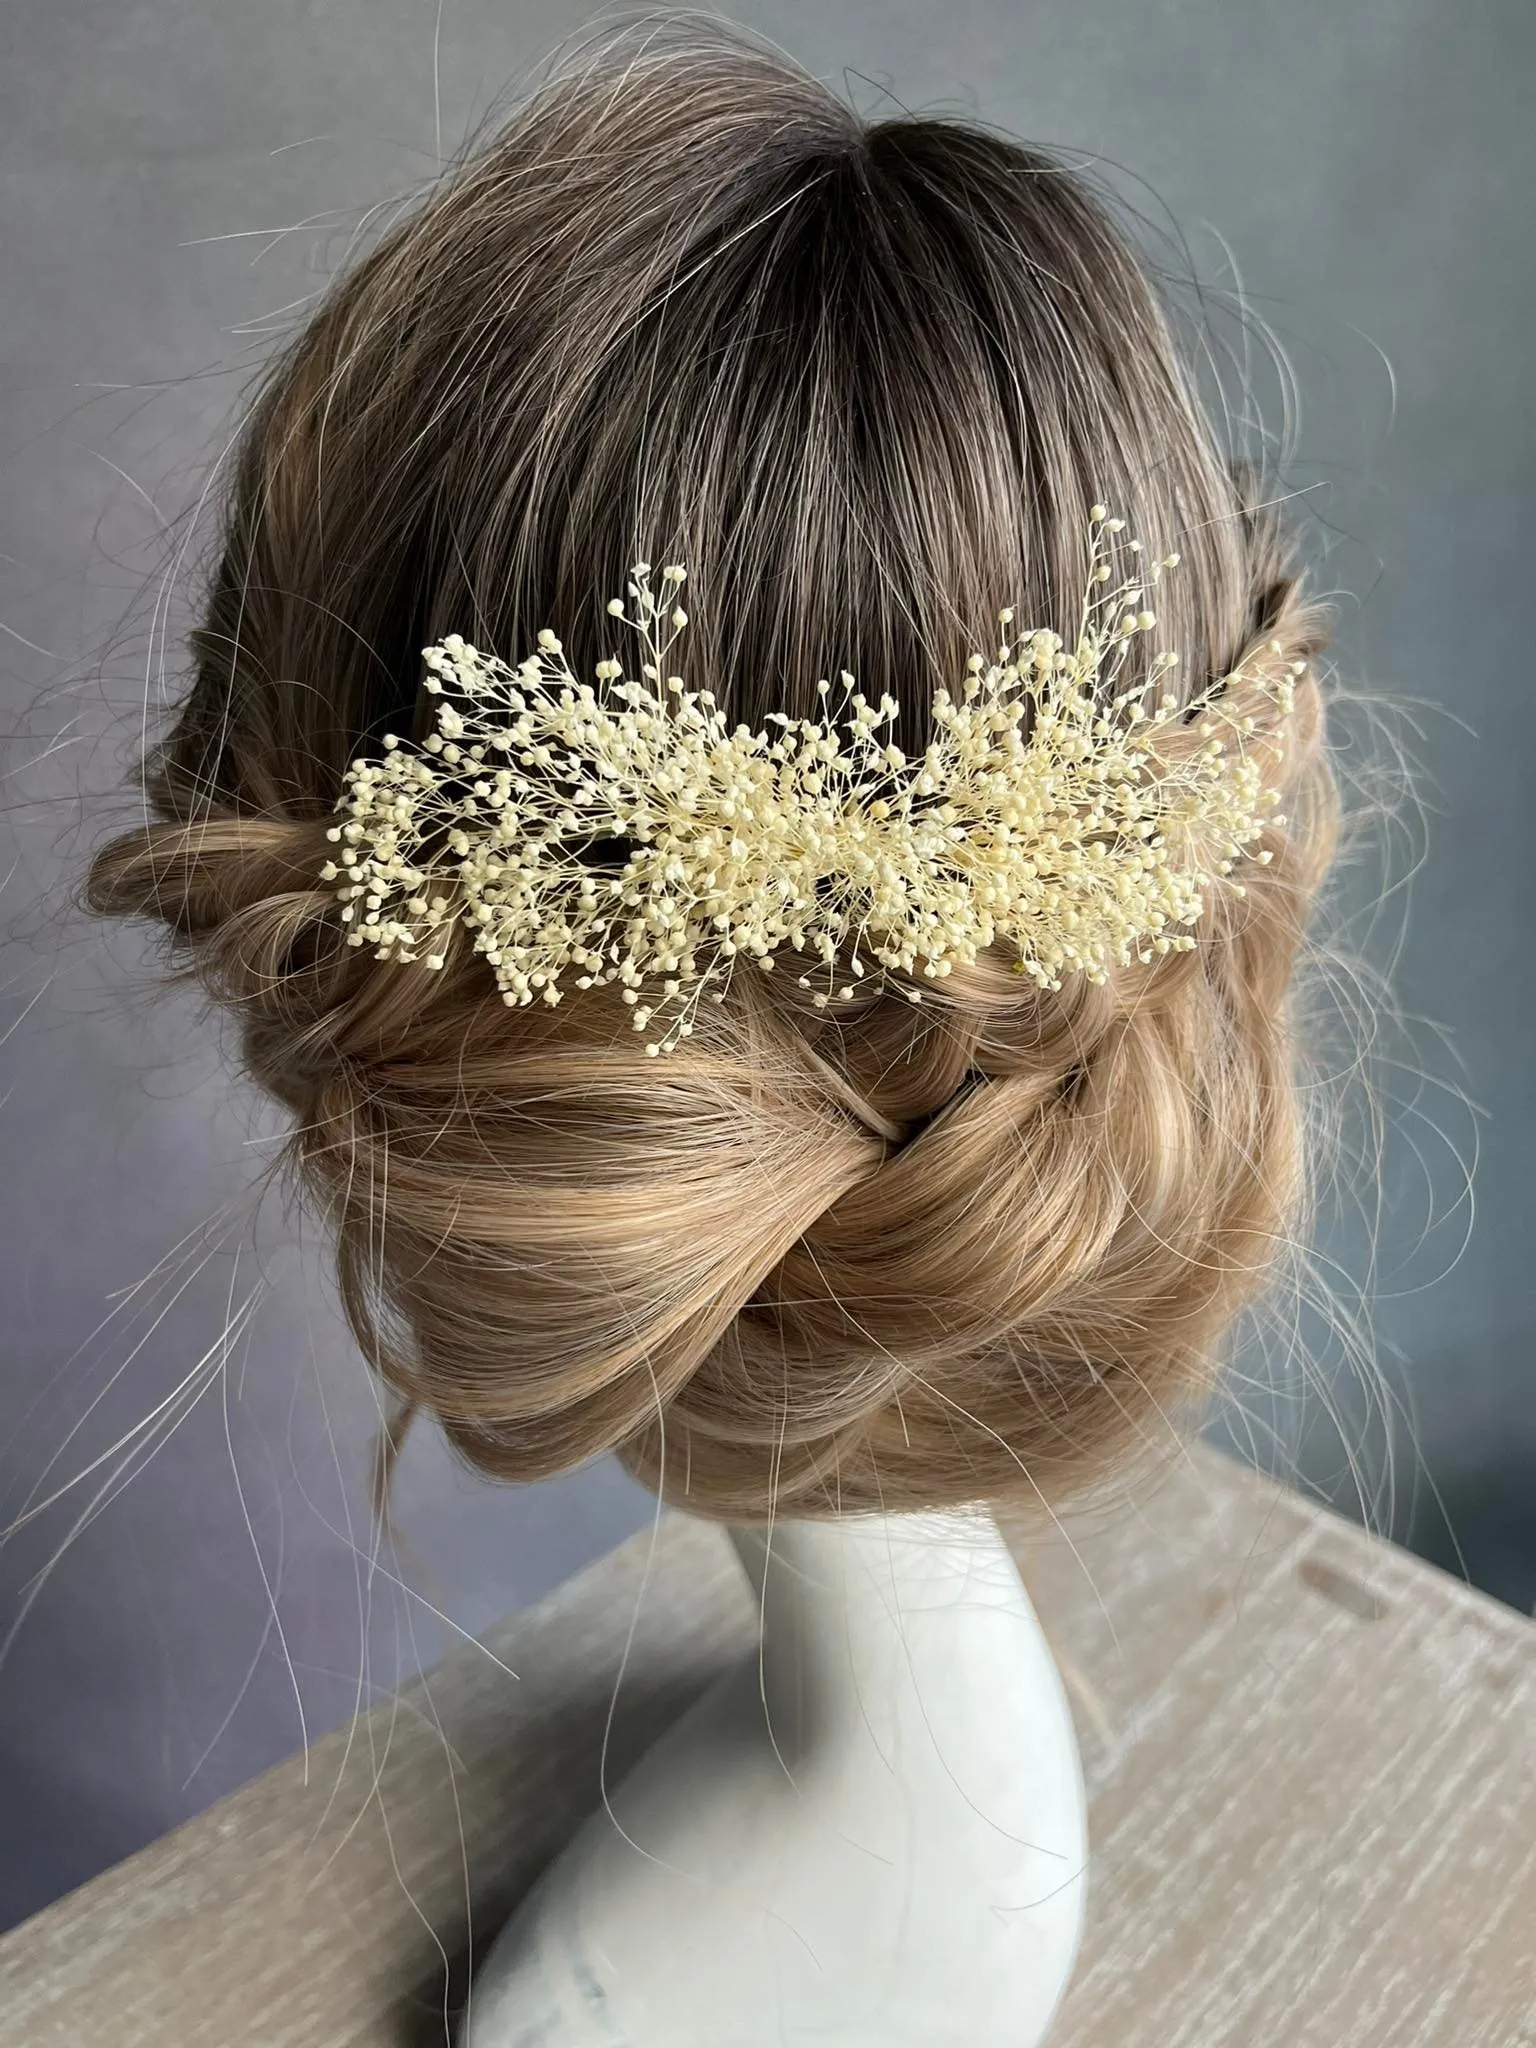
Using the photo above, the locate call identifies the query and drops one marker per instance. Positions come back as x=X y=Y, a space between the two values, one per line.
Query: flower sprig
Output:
x=623 y=831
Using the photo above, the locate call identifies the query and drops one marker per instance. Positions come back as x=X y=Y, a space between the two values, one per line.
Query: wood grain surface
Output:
x=1311 y=1763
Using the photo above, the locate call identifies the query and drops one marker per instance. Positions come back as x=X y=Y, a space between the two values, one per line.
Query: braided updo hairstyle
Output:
x=866 y=380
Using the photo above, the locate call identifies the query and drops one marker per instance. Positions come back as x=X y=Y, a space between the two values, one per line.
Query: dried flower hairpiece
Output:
x=1045 y=813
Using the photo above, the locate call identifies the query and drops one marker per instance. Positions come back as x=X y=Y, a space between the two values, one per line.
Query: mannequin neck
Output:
x=875 y=1621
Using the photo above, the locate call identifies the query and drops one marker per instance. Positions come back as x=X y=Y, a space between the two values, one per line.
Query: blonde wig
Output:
x=867 y=379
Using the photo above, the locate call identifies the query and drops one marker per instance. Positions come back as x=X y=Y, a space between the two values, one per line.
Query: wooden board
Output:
x=1311 y=1762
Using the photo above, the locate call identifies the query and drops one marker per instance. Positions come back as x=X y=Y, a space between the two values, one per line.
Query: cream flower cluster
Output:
x=624 y=831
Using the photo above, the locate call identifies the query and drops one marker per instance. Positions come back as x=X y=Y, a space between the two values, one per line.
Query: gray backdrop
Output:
x=191 y=1563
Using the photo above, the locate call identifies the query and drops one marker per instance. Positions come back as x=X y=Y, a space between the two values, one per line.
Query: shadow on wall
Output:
x=71 y=1825
x=1482 y=1527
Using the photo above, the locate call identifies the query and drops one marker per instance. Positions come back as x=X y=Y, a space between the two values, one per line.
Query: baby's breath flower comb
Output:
x=1052 y=812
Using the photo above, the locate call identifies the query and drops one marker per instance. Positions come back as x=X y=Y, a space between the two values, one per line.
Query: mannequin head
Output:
x=866 y=380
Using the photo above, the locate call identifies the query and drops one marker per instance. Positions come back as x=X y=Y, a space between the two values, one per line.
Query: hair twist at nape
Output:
x=867 y=380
